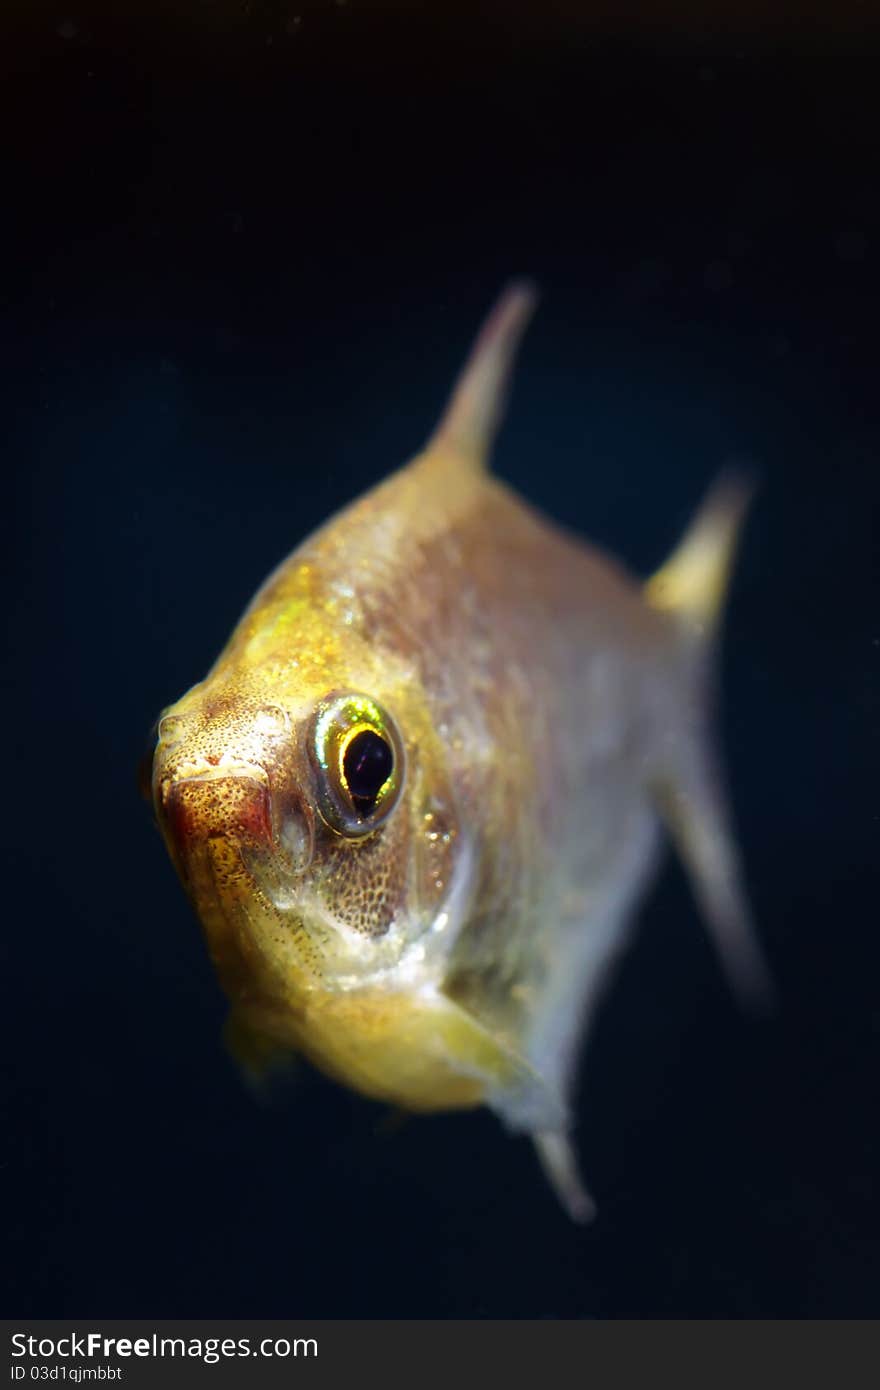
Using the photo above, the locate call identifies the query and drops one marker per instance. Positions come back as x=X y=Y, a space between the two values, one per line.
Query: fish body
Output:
x=417 y=798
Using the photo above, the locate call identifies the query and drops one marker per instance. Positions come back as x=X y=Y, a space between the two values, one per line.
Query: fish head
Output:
x=308 y=810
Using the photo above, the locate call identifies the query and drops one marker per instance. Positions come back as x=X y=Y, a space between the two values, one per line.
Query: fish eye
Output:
x=359 y=763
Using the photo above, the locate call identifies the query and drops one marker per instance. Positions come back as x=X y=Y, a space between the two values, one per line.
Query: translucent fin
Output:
x=474 y=412
x=258 y=1057
x=557 y=1157
x=692 y=586
x=392 y=1120
x=693 y=582
x=693 y=807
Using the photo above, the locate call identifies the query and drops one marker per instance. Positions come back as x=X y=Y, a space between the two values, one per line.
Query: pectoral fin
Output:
x=258 y=1057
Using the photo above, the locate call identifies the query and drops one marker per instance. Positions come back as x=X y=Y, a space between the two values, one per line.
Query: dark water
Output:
x=243 y=258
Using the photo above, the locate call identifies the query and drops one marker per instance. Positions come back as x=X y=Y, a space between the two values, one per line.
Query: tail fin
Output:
x=691 y=587
x=474 y=412
x=691 y=801
x=692 y=583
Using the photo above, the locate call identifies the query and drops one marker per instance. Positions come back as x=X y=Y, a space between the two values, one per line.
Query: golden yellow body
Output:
x=415 y=800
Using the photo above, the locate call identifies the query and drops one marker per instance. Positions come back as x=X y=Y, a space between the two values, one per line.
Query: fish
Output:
x=419 y=797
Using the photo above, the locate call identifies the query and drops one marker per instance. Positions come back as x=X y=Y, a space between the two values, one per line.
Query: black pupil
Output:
x=367 y=763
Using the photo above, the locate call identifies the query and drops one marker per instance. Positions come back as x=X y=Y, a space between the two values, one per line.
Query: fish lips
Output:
x=234 y=806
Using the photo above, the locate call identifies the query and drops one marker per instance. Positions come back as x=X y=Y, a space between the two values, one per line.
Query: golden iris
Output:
x=359 y=761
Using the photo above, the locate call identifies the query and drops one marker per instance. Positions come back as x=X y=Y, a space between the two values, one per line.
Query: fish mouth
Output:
x=201 y=806
x=234 y=802
x=242 y=860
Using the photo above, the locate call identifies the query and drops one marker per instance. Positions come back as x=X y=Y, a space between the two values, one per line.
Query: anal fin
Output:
x=557 y=1158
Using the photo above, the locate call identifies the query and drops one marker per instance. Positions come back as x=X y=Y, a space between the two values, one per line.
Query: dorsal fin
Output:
x=474 y=412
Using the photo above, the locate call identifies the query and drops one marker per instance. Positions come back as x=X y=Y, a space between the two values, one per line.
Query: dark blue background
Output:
x=243 y=258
